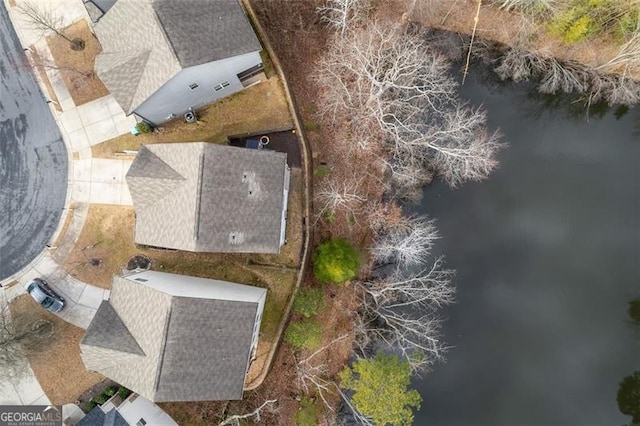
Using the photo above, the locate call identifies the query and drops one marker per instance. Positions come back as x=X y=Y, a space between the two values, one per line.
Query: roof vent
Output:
x=236 y=238
x=253 y=187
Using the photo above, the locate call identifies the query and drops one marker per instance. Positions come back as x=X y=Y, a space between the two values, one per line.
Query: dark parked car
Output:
x=44 y=295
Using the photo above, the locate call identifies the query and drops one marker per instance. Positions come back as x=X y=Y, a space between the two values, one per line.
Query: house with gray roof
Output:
x=175 y=338
x=161 y=58
x=204 y=197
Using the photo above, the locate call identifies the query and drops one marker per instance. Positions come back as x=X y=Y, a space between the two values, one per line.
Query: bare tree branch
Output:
x=406 y=243
x=43 y=19
x=21 y=334
x=255 y=414
x=393 y=91
x=400 y=311
x=343 y=14
x=340 y=194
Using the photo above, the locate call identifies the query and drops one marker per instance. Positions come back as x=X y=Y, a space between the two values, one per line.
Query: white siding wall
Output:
x=175 y=97
x=285 y=200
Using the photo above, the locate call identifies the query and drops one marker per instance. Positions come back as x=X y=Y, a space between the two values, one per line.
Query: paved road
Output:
x=33 y=160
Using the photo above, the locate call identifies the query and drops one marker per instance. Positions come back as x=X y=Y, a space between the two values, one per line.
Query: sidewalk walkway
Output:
x=25 y=391
x=91 y=180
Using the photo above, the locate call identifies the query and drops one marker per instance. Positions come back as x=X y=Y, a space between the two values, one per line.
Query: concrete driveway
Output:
x=82 y=299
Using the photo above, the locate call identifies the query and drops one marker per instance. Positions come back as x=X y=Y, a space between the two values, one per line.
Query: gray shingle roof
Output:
x=230 y=200
x=202 y=31
x=147 y=42
x=197 y=335
x=108 y=331
x=97 y=417
x=221 y=331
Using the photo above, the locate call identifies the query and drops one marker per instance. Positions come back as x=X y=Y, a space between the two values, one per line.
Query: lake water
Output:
x=548 y=255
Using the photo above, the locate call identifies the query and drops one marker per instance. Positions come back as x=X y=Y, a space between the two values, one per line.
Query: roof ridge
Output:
x=163 y=346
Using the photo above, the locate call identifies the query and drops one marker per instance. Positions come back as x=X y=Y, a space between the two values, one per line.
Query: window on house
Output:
x=193 y=86
x=221 y=86
x=141 y=422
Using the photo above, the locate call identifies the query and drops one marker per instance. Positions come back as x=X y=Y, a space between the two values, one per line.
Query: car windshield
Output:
x=47 y=302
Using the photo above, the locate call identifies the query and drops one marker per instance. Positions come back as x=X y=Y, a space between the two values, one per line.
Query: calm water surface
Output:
x=548 y=255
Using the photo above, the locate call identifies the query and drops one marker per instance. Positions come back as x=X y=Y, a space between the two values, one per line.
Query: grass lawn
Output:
x=59 y=370
x=260 y=107
x=76 y=67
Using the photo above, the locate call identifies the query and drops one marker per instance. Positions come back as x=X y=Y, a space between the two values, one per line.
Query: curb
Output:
x=54 y=114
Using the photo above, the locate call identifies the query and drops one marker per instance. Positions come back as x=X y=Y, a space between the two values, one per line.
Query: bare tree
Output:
x=21 y=334
x=390 y=88
x=406 y=243
x=400 y=311
x=340 y=194
x=571 y=77
x=39 y=61
x=312 y=375
x=400 y=308
x=255 y=414
x=343 y=14
x=528 y=6
x=43 y=19
x=628 y=55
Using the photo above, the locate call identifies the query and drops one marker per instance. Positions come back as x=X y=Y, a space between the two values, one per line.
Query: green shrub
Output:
x=626 y=25
x=322 y=171
x=311 y=126
x=329 y=216
x=580 y=29
x=583 y=18
x=305 y=334
x=144 y=127
x=110 y=391
x=307 y=414
x=335 y=261
x=101 y=399
x=123 y=392
x=90 y=406
x=308 y=302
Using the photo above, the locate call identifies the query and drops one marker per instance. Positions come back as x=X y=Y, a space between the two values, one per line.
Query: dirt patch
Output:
x=59 y=370
x=257 y=108
x=77 y=66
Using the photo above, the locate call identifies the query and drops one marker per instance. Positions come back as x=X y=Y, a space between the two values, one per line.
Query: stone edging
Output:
x=307 y=167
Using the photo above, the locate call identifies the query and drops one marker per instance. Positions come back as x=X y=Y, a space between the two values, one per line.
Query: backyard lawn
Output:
x=260 y=107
